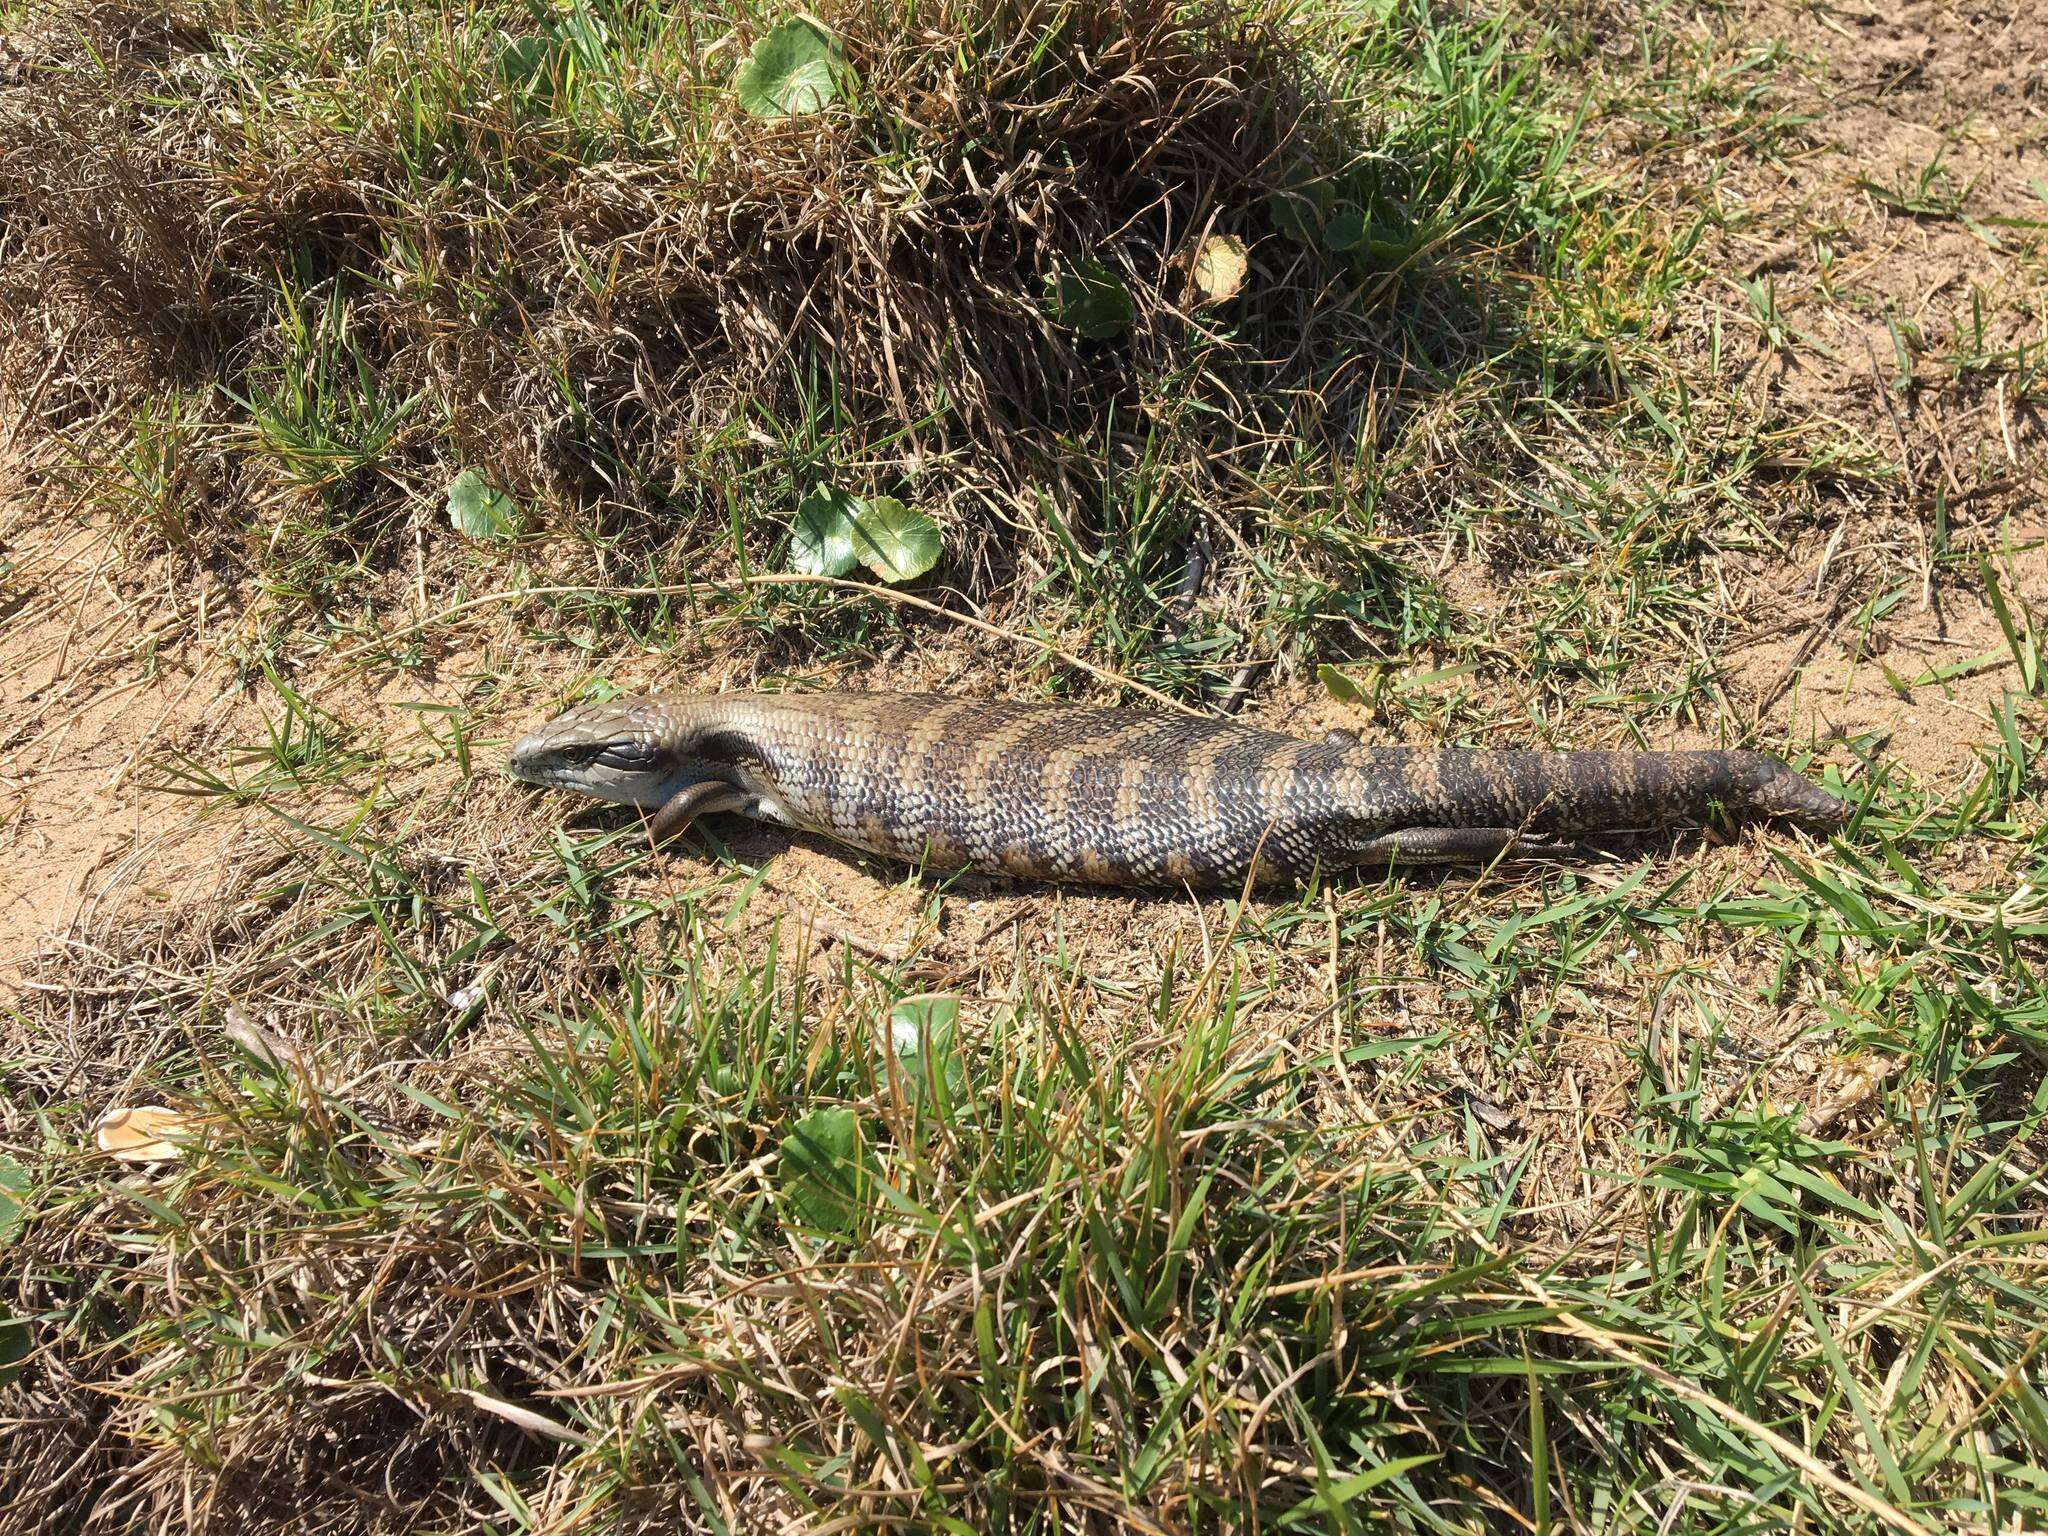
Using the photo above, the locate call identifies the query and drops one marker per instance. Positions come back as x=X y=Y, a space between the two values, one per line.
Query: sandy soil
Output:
x=104 y=665
x=1939 y=108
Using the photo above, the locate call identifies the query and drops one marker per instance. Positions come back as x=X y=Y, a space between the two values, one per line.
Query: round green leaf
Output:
x=478 y=512
x=1300 y=211
x=896 y=542
x=1345 y=231
x=821 y=542
x=1383 y=248
x=921 y=1037
x=823 y=1170
x=794 y=70
x=528 y=64
x=1089 y=298
x=925 y=1024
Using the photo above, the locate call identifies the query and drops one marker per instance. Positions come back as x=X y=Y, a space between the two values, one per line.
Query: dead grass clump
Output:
x=387 y=255
x=287 y=1368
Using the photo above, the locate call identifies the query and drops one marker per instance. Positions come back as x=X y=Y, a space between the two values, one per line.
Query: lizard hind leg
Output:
x=1440 y=845
x=694 y=800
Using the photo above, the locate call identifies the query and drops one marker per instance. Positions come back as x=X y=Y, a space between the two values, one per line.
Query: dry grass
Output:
x=615 y=293
x=541 y=1184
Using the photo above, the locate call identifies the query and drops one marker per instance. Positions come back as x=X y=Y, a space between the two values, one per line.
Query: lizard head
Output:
x=625 y=750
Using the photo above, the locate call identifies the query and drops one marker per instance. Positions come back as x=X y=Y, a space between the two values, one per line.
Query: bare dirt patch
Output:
x=102 y=666
x=1920 y=685
x=1884 y=298
x=1902 y=254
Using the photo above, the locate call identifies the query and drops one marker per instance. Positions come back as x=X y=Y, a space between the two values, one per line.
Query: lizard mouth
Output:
x=564 y=754
x=529 y=762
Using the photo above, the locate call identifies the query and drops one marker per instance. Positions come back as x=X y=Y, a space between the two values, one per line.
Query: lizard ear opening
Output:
x=688 y=803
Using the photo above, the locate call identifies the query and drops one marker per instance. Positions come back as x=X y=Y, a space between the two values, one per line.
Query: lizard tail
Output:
x=1692 y=786
x=1778 y=791
x=1568 y=793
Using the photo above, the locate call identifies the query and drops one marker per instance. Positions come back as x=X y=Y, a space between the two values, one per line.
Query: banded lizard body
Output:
x=1123 y=797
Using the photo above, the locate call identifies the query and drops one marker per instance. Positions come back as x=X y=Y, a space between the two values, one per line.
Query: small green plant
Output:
x=834 y=532
x=479 y=512
x=319 y=417
x=304 y=746
x=1934 y=193
x=795 y=69
x=155 y=479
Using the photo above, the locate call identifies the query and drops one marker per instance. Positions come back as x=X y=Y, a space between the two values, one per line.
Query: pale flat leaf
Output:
x=533 y=1423
x=1220 y=268
x=137 y=1133
x=279 y=1055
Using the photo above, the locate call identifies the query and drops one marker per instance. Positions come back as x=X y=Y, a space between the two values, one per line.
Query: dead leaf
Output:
x=1220 y=267
x=525 y=1418
x=280 y=1055
x=135 y=1133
